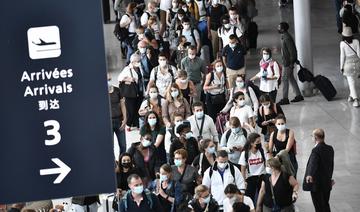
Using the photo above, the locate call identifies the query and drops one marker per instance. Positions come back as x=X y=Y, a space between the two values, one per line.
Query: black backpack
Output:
x=255 y=88
x=192 y=35
x=231 y=166
x=121 y=33
x=170 y=71
x=247 y=158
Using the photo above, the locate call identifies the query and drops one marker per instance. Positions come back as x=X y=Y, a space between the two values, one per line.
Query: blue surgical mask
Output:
x=152 y=122
x=240 y=84
x=211 y=150
x=146 y=143
x=188 y=135
x=235 y=130
x=178 y=162
x=281 y=127
x=175 y=94
x=138 y=189
x=199 y=114
x=207 y=200
x=163 y=178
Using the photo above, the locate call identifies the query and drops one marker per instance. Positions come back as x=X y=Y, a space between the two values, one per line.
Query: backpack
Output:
x=148 y=199
x=121 y=33
x=192 y=35
x=273 y=71
x=231 y=166
x=228 y=133
x=247 y=158
x=255 y=88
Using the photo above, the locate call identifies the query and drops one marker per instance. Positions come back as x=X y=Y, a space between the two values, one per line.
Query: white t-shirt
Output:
x=225 y=34
x=125 y=19
x=165 y=5
x=269 y=85
x=228 y=206
x=256 y=163
x=243 y=113
x=190 y=38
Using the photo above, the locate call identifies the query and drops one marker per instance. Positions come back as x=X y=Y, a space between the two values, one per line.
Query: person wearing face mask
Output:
x=289 y=57
x=153 y=102
x=269 y=74
x=226 y=30
x=221 y=174
x=171 y=13
x=186 y=86
x=278 y=191
x=266 y=116
x=243 y=112
x=233 y=140
x=118 y=114
x=215 y=86
x=175 y=102
x=131 y=77
x=253 y=164
x=202 y=125
x=233 y=195
x=283 y=139
x=137 y=198
x=145 y=158
x=206 y=158
x=249 y=94
x=185 y=141
x=129 y=21
x=191 y=33
x=185 y=174
x=155 y=127
x=233 y=56
x=150 y=12
x=203 y=201
x=214 y=14
x=153 y=29
x=235 y=19
x=319 y=172
x=124 y=168
x=195 y=69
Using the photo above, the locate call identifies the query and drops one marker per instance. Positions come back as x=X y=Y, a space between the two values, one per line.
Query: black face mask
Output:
x=126 y=165
x=258 y=146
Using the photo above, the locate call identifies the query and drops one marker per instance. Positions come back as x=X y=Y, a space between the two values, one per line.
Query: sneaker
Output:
x=298 y=99
x=356 y=103
x=284 y=102
x=350 y=99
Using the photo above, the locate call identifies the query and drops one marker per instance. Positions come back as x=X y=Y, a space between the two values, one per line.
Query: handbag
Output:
x=128 y=90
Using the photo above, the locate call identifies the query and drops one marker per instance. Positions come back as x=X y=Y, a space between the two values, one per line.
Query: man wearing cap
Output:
x=184 y=141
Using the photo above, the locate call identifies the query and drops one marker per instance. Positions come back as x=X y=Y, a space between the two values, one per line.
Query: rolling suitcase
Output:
x=325 y=86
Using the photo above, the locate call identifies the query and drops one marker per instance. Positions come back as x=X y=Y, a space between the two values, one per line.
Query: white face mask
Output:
x=268 y=170
x=137 y=64
x=222 y=165
x=192 y=56
x=281 y=127
x=152 y=122
x=153 y=95
x=219 y=69
x=227 y=26
x=266 y=57
x=188 y=135
x=215 y=2
x=162 y=63
x=233 y=16
x=142 y=50
x=183 y=81
x=146 y=143
x=186 y=26
x=180 y=17
x=232 y=45
x=241 y=103
x=199 y=114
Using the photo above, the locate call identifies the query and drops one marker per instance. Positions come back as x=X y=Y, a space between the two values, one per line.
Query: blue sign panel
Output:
x=55 y=138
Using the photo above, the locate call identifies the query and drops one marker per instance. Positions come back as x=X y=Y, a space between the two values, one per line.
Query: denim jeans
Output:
x=120 y=134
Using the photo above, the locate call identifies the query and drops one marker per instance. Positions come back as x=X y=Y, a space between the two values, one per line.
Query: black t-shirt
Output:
x=121 y=178
x=215 y=14
x=115 y=98
x=212 y=207
x=282 y=191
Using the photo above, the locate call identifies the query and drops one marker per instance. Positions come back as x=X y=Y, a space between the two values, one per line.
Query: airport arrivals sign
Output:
x=55 y=132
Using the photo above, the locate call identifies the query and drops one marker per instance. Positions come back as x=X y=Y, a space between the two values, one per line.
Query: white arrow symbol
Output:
x=63 y=170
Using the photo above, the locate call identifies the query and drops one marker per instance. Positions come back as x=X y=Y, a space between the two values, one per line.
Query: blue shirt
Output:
x=235 y=58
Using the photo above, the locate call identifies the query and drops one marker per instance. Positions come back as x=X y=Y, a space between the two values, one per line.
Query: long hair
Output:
x=119 y=168
x=169 y=98
x=147 y=125
x=250 y=140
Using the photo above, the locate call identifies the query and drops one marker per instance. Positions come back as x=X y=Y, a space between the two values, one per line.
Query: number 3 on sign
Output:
x=52 y=132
